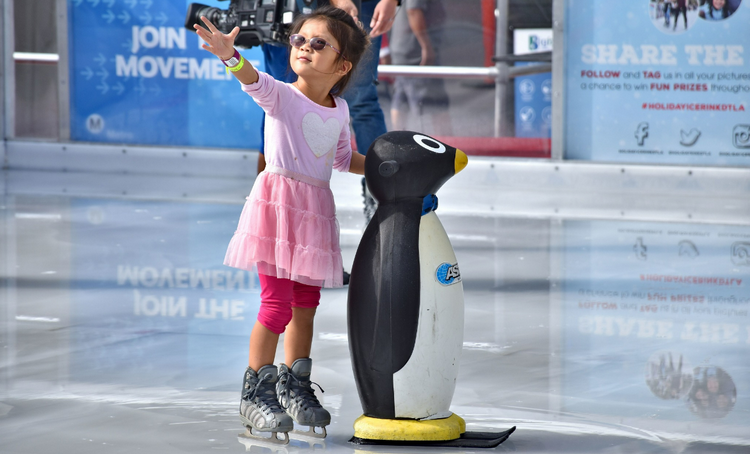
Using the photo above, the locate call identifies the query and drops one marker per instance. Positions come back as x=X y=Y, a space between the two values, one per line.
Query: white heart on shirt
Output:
x=320 y=137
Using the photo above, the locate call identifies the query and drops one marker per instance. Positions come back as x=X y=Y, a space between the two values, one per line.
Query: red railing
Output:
x=509 y=147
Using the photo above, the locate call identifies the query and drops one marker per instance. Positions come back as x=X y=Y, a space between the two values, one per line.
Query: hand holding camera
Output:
x=250 y=22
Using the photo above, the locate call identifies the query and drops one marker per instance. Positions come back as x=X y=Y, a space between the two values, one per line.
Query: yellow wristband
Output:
x=239 y=66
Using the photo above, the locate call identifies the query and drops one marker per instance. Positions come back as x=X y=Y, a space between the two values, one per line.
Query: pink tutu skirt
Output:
x=288 y=229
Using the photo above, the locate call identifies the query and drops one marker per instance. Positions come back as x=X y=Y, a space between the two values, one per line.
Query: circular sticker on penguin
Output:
x=448 y=274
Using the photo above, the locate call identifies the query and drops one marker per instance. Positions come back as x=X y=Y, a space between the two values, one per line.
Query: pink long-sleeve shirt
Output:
x=301 y=135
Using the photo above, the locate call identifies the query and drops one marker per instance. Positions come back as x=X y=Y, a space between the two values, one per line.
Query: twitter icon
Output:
x=688 y=139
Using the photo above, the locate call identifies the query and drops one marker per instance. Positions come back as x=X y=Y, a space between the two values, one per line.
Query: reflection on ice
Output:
x=668 y=377
x=713 y=394
x=297 y=444
x=588 y=335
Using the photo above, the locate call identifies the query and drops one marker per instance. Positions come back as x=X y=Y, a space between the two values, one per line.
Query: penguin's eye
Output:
x=429 y=143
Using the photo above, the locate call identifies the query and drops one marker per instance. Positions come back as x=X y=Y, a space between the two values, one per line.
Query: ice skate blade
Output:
x=311 y=433
x=272 y=440
x=255 y=446
x=467 y=440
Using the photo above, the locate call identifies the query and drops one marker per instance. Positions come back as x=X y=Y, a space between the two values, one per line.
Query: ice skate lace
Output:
x=266 y=400
x=304 y=392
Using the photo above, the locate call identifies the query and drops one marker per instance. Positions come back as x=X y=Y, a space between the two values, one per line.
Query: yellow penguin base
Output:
x=450 y=428
x=444 y=433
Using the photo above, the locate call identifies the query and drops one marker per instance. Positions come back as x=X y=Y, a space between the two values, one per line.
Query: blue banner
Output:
x=139 y=77
x=533 y=93
x=533 y=104
x=650 y=82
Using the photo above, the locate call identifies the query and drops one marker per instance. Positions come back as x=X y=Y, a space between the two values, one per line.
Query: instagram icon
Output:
x=741 y=136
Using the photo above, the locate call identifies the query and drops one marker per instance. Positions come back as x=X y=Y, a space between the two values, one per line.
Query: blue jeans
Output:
x=276 y=59
x=361 y=94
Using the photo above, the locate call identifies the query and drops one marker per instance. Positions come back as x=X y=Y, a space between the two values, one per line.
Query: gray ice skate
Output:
x=260 y=409
x=298 y=398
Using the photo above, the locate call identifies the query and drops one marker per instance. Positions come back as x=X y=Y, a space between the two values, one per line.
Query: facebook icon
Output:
x=641 y=132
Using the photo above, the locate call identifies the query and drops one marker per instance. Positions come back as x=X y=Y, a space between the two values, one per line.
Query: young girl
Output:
x=288 y=227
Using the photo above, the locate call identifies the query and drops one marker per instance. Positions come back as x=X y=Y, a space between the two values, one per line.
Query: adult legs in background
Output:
x=399 y=105
x=362 y=95
x=368 y=120
x=425 y=98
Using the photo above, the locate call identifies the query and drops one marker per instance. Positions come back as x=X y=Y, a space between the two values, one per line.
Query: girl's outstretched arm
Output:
x=358 y=164
x=222 y=45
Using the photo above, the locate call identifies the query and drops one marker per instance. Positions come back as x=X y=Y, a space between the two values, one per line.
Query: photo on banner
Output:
x=138 y=76
x=671 y=17
x=658 y=81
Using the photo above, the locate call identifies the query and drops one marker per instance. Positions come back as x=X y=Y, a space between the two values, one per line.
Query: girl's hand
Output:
x=218 y=43
x=357 y=164
x=222 y=45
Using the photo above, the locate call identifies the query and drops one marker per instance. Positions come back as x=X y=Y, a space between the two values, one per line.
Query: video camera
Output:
x=260 y=21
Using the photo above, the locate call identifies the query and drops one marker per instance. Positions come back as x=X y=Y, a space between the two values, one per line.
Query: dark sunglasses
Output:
x=316 y=44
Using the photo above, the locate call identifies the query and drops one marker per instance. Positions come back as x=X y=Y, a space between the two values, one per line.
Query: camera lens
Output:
x=196 y=11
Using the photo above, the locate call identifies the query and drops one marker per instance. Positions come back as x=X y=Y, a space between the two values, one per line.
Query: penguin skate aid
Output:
x=405 y=309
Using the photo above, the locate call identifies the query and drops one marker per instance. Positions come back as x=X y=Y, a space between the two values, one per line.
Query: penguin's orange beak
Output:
x=461 y=160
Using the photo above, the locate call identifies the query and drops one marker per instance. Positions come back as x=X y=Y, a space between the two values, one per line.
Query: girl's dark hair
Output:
x=352 y=38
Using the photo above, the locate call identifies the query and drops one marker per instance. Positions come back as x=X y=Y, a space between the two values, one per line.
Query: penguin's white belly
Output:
x=424 y=387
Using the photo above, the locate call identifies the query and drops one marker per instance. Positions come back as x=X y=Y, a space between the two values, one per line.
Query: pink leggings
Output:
x=278 y=296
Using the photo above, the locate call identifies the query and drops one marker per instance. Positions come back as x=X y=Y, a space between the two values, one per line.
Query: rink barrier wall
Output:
x=488 y=186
